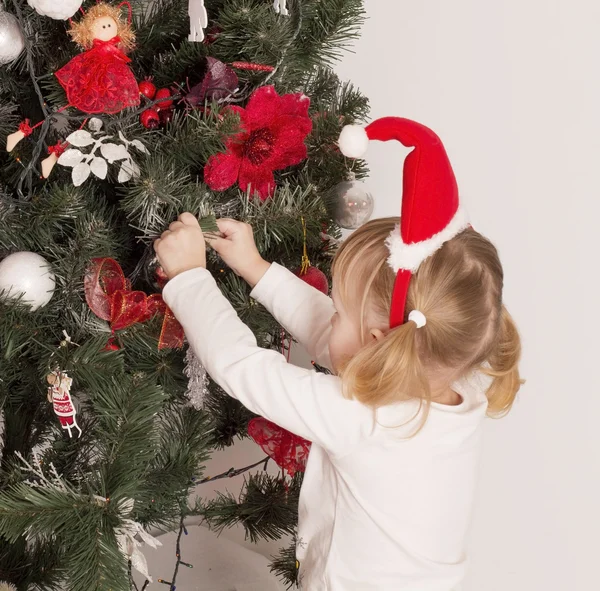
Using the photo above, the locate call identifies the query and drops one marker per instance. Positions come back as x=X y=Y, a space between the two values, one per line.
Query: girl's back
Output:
x=402 y=503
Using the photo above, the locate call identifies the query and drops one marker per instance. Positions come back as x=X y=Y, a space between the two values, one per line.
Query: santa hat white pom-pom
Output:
x=353 y=141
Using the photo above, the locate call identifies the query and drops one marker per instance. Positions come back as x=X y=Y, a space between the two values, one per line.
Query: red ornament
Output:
x=150 y=119
x=147 y=88
x=59 y=394
x=165 y=116
x=289 y=451
x=273 y=130
x=163 y=93
x=315 y=278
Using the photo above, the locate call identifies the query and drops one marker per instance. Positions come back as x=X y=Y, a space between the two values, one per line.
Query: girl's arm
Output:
x=300 y=400
x=301 y=309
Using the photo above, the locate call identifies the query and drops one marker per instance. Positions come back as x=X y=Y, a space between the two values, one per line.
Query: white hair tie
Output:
x=418 y=318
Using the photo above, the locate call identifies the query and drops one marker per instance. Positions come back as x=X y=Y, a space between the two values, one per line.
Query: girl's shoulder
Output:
x=412 y=418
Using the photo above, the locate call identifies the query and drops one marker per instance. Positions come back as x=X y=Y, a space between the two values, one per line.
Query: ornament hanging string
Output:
x=305 y=264
x=129 y=12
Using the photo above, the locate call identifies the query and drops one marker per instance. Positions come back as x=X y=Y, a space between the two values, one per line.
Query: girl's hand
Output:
x=181 y=247
x=237 y=248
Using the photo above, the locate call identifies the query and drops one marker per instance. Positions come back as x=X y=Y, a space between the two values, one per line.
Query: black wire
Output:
x=233 y=472
x=26 y=173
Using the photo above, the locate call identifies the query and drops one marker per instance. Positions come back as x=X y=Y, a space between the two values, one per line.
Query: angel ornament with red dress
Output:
x=59 y=394
x=98 y=80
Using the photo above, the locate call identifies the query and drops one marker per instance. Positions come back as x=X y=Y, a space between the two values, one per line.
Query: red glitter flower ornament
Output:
x=289 y=451
x=273 y=130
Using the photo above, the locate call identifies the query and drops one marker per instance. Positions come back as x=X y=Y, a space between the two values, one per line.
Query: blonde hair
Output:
x=81 y=31
x=459 y=290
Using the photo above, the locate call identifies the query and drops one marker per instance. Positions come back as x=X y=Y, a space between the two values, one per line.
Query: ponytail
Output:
x=503 y=366
x=387 y=370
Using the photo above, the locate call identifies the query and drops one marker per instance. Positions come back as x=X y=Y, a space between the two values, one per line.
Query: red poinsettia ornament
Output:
x=289 y=451
x=273 y=130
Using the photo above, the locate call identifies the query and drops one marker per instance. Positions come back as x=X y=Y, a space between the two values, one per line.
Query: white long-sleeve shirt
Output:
x=379 y=510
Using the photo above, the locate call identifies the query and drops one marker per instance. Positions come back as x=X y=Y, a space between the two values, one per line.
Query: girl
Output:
x=421 y=346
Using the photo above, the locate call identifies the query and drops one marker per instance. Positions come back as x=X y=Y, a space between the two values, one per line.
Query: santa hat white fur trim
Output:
x=353 y=141
x=410 y=256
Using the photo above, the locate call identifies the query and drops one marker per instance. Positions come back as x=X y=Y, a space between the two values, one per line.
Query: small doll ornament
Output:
x=99 y=79
x=60 y=397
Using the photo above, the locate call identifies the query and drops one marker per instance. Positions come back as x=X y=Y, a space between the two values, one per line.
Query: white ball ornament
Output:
x=354 y=204
x=56 y=9
x=12 y=41
x=28 y=275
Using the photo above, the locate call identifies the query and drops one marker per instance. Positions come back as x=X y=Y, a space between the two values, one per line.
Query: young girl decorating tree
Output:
x=421 y=346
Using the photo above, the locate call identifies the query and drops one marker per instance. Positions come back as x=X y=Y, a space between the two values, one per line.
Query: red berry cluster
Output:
x=162 y=112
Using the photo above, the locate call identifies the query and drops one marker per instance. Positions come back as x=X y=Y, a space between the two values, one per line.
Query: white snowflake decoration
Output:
x=280 y=7
x=90 y=162
x=198 y=20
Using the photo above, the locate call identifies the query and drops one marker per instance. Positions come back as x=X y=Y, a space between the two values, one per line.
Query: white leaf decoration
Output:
x=95 y=124
x=70 y=157
x=80 y=173
x=135 y=169
x=123 y=138
x=137 y=144
x=99 y=167
x=125 y=173
x=80 y=138
x=113 y=152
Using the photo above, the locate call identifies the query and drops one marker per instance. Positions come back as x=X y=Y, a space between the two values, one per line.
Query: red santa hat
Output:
x=431 y=213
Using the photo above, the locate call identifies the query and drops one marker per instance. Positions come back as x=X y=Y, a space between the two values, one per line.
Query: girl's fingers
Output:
x=227 y=226
x=188 y=219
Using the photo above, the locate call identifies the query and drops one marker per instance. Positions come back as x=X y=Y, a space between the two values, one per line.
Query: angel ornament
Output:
x=59 y=394
x=280 y=7
x=198 y=20
x=98 y=80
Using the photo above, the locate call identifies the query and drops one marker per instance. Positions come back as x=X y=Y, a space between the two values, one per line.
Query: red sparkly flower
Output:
x=289 y=451
x=273 y=130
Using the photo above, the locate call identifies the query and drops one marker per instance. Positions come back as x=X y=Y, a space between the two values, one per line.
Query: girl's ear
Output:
x=376 y=334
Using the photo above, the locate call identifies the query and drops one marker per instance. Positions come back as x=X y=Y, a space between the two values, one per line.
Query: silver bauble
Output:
x=354 y=204
x=12 y=41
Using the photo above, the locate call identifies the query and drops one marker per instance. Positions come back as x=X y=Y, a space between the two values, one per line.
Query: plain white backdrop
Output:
x=513 y=89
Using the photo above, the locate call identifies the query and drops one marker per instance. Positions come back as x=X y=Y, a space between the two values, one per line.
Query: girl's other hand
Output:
x=181 y=247
x=237 y=248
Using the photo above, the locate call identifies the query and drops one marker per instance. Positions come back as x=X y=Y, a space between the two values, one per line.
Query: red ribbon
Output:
x=289 y=451
x=25 y=128
x=58 y=149
x=109 y=295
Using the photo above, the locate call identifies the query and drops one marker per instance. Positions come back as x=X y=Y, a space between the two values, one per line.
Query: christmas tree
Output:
x=116 y=119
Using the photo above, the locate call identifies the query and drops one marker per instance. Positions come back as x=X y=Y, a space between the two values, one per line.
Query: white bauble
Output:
x=354 y=204
x=12 y=41
x=59 y=10
x=27 y=274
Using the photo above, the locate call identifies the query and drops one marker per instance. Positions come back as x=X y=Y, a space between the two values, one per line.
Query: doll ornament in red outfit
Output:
x=98 y=80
